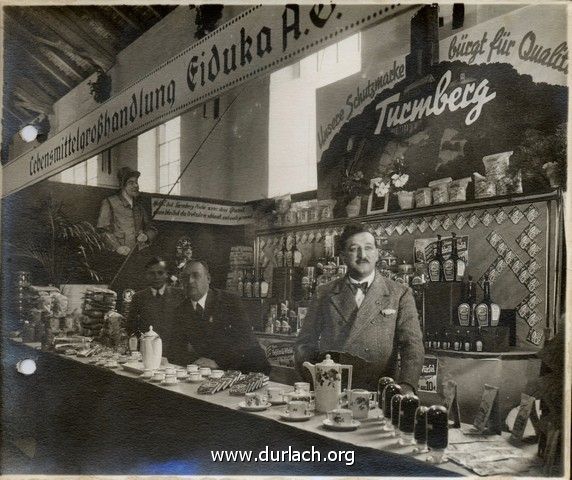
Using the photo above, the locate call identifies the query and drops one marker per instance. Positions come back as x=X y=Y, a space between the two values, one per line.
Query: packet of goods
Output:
x=458 y=189
x=210 y=387
x=249 y=383
x=484 y=188
x=440 y=190
x=496 y=165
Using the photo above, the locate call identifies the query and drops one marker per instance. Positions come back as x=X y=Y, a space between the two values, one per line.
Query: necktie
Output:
x=360 y=291
x=361 y=286
x=199 y=311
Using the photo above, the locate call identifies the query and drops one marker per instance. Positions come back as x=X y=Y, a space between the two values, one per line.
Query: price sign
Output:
x=428 y=378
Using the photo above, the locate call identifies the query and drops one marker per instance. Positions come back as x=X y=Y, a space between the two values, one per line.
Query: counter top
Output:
x=369 y=435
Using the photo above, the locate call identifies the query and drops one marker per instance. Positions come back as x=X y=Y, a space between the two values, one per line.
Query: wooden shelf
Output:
x=516 y=354
x=419 y=212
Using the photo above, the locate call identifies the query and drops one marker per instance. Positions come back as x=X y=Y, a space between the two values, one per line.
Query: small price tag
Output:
x=524 y=412
x=428 y=378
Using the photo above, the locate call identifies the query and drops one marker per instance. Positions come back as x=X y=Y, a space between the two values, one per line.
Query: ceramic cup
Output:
x=170 y=371
x=340 y=416
x=217 y=373
x=276 y=394
x=359 y=401
x=192 y=368
x=171 y=378
x=195 y=376
x=205 y=371
x=254 y=399
x=181 y=373
x=158 y=376
x=298 y=408
x=147 y=373
x=301 y=387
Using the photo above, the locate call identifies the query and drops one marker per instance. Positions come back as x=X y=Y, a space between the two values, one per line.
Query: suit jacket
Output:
x=224 y=334
x=146 y=310
x=386 y=324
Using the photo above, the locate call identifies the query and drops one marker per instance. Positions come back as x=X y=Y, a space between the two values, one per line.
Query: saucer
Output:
x=169 y=384
x=340 y=428
x=288 y=418
x=195 y=381
x=277 y=402
x=156 y=381
x=255 y=408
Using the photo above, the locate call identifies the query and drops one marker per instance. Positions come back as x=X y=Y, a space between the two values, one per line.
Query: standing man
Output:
x=123 y=220
x=211 y=328
x=366 y=316
x=156 y=304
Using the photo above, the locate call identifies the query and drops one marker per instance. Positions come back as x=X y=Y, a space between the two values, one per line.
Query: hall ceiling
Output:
x=50 y=50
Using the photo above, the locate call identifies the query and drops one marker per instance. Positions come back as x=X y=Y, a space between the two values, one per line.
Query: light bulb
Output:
x=29 y=133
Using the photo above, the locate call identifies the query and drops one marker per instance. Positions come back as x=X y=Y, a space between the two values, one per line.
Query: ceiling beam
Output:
x=138 y=28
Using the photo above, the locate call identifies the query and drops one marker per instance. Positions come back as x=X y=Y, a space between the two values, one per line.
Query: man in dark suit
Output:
x=211 y=328
x=366 y=318
x=156 y=304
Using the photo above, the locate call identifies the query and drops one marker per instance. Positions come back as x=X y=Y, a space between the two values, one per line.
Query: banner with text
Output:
x=531 y=39
x=255 y=43
x=192 y=211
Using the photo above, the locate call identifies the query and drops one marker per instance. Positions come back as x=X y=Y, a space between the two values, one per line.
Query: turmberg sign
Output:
x=253 y=44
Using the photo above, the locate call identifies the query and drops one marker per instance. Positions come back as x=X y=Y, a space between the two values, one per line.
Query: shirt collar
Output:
x=161 y=291
x=126 y=199
x=368 y=279
x=202 y=301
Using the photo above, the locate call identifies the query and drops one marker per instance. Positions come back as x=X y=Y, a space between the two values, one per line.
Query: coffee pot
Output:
x=151 y=349
x=327 y=379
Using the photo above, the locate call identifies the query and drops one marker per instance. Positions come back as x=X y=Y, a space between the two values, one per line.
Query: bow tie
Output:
x=360 y=286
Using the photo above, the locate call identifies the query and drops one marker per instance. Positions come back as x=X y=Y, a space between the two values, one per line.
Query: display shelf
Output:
x=510 y=355
x=417 y=212
x=276 y=336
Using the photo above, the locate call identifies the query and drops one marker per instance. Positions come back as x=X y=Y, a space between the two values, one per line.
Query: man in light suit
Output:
x=366 y=318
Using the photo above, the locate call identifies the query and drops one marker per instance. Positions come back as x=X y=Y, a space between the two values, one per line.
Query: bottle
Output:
x=446 y=341
x=263 y=286
x=460 y=264
x=381 y=384
x=435 y=266
x=407 y=408
x=255 y=285
x=296 y=254
x=428 y=341
x=287 y=255
x=457 y=341
x=437 y=428
x=479 y=342
x=420 y=426
x=468 y=342
x=472 y=299
x=133 y=342
x=437 y=341
x=280 y=254
x=464 y=308
x=395 y=407
x=248 y=286
x=240 y=287
x=487 y=313
x=388 y=393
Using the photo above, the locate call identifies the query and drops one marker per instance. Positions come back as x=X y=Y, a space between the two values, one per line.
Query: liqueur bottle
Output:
x=457 y=341
x=487 y=313
x=248 y=286
x=296 y=254
x=263 y=286
x=437 y=428
x=133 y=342
x=240 y=287
x=454 y=267
x=464 y=309
x=479 y=342
x=472 y=297
x=407 y=408
x=420 y=428
x=280 y=254
x=288 y=259
x=435 y=266
x=255 y=285
x=468 y=342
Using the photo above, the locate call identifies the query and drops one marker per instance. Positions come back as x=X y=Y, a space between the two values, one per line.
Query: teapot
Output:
x=327 y=379
x=151 y=349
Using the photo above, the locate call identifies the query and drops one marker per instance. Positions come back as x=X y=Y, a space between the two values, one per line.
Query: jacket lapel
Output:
x=374 y=301
x=210 y=306
x=343 y=299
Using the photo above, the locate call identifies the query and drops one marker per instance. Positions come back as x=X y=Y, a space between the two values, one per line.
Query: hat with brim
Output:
x=125 y=173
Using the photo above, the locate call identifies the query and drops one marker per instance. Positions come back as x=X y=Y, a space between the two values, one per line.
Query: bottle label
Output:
x=460 y=270
x=133 y=343
x=434 y=270
x=464 y=314
x=479 y=346
x=495 y=314
x=482 y=314
x=448 y=270
x=467 y=347
x=456 y=346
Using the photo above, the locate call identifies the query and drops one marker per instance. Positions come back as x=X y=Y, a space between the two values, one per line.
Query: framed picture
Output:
x=377 y=204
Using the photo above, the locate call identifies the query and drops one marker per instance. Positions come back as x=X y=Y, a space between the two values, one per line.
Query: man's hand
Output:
x=206 y=362
x=123 y=250
x=142 y=237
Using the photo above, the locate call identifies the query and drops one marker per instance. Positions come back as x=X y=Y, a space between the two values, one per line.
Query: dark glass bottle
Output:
x=437 y=427
x=395 y=406
x=454 y=267
x=464 y=307
x=487 y=313
x=468 y=342
x=407 y=409
x=420 y=426
x=435 y=266
x=381 y=384
x=388 y=393
x=472 y=299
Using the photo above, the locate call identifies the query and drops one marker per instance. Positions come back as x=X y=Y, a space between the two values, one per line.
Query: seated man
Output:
x=156 y=304
x=211 y=328
x=367 y=318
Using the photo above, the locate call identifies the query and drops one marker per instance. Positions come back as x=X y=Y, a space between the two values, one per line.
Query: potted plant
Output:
x=61 y=246
x=393 y=176
x=354 y=185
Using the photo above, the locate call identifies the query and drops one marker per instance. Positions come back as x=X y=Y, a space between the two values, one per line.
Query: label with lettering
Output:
x=482 y=314
x=487 y=418
x=524 y=411
x=464 y=314
x=495 y=314
x=448 y=270
x=460 y=270
x=434 y=269
x=428 y=379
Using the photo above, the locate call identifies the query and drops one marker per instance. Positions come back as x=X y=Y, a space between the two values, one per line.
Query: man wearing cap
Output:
x=123 y=219
x=365 y=318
